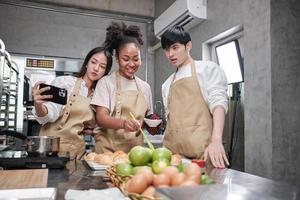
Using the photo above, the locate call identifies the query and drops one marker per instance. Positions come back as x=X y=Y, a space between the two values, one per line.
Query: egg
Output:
x=161 y=179
x=147 y=174
x=163 y=186
x=137 y=184
x=192 y=169
x=188 y=183
x=127 y=185
x=196 y=178
x=170 y=171
x=177 y=179
x=150 y=191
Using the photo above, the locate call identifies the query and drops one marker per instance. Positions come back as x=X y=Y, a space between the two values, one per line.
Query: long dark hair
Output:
x=119 y=34
x=94 y=51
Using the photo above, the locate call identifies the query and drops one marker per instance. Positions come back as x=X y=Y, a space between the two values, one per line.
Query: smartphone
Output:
x=60 y=95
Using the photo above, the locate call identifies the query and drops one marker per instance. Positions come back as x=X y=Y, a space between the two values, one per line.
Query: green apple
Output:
x=206 y=179
x=159 y=165
x=139 y=156
x=162 y=153
x=181 y=167
x=137 y=168
x=124 y=169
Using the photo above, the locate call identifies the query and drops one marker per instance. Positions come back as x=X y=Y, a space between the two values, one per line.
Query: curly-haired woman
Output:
x=122 y=92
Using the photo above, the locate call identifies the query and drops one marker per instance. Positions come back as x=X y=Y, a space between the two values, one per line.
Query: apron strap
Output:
x=118 y=106
x=67 y=109
x=193 y=69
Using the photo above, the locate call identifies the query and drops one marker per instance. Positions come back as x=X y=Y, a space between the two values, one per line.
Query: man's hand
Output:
x=215 y=151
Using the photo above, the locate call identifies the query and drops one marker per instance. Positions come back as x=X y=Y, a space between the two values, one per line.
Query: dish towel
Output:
x=91 y=194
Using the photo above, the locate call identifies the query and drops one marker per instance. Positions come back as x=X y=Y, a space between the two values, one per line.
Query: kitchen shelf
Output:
x=9 y=80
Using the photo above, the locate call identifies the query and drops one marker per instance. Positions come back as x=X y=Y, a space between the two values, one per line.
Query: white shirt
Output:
x=212 y=81
x=105 y=92
x=54 y=109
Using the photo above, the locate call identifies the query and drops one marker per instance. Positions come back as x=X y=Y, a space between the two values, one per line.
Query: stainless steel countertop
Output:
x=76 y=176
x=230 y=185
x=234 y=185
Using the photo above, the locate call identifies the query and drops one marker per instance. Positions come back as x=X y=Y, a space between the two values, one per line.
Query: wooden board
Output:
x=27 y=178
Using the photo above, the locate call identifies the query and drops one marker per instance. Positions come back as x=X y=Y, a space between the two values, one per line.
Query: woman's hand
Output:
x=37 y=93
x=39 y=99
x=131 y=125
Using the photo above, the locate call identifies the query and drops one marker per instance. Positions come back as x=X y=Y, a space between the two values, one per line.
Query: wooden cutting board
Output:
x=27 y=178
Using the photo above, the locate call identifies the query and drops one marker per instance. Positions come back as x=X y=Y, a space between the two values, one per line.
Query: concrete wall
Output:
x=161 y=6
x=134 y=7
x=271 y=70
x=285 y=51
x=257 y=62
x=61 y=33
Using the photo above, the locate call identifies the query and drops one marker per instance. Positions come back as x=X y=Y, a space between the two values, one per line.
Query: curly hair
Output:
x=119 y=34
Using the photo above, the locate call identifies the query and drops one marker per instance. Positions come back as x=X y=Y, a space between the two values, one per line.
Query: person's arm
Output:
x=45 y=111
x=216 y=87
x=106 y=121
x=215 y=150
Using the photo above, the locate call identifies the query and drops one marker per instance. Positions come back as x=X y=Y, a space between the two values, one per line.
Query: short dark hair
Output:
x=173 y=35
x=92 y=52
x=119 y=34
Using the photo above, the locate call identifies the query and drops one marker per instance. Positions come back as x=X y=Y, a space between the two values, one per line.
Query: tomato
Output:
x=139 y=156
x=124 y=169
x=162 y=153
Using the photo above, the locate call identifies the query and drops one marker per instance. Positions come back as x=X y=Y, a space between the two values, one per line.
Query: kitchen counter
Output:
x=235 y=185
x=76 y=176
x=230 y=184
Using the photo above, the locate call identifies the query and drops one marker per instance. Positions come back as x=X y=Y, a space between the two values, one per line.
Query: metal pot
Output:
x=42 y=145
x=37 y=145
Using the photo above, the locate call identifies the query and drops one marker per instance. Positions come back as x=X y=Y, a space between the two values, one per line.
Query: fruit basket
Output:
x=135 y=196
x=116 y=179
x=120 y=182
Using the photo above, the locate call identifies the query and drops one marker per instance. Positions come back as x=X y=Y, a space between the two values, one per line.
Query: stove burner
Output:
x=21 y=159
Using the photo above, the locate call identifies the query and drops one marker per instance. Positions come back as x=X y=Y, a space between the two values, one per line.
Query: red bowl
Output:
x=200 y=163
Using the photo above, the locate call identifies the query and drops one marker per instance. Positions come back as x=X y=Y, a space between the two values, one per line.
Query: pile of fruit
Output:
x=156 y=168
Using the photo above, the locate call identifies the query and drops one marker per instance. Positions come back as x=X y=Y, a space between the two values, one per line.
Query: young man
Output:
x=195 y=101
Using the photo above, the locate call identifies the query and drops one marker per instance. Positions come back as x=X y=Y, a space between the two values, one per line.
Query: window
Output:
x=230 y=60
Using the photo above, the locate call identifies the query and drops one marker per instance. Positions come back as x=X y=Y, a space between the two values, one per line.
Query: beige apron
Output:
x=76 y=115
x=189 y=125
x=126 y=101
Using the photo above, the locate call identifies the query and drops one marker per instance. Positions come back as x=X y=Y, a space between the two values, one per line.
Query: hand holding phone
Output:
x=59 y=95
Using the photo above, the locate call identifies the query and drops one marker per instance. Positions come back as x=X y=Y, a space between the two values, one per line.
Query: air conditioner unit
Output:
x=186 y=13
